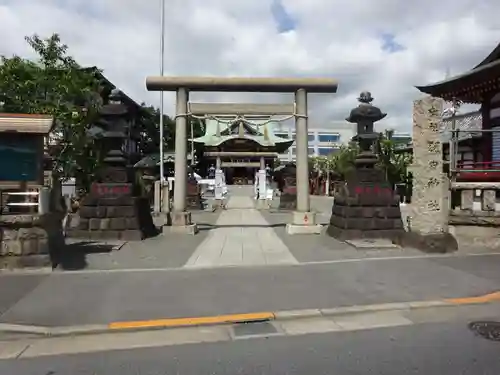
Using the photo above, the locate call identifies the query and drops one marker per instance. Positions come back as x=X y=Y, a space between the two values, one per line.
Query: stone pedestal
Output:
x=193 y=196
x=304 y=223
x=219 y=184
x=366 y=207
x=181 y=223
x=262 y=184
x=111 y=212
x=30 y=240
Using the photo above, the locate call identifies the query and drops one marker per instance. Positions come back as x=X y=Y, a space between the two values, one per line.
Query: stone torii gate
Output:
x=303 y=221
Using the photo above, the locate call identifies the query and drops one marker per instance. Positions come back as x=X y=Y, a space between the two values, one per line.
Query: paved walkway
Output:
x=241 y=236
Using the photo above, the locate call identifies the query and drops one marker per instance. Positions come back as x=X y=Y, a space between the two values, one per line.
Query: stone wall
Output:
x=29 y=240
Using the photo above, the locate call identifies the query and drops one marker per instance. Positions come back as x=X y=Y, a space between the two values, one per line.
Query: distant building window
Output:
x=310 y=136
x=328 y=138
x=325 y=151
x=310 y=151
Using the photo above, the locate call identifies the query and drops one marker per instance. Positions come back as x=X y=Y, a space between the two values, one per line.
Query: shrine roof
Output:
x=26 y=123
x=153 y=160
x=263 y=133
x=471 y=86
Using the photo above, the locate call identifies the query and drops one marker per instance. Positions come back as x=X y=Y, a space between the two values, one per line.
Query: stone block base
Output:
x=181 y=223
x=28 y=240
x=303 y=223
x=190 y=229
x=303 y=229
x=366 y=207
x=25 y=261
x=429 y=243
x=124 y=218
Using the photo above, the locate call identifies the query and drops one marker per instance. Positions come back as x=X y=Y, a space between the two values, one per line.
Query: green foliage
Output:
x=394 y=164
x=54 y=84
x=150 y=140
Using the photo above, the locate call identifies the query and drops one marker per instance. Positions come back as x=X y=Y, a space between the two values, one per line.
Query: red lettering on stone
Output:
x=368 y=190
x=358 y=190
x=376 y=189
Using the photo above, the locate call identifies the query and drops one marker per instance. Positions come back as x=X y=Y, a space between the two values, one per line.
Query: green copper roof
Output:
x=218 y=132
x=153 y=160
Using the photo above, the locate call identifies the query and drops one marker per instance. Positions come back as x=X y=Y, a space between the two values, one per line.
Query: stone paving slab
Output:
x=242 y=236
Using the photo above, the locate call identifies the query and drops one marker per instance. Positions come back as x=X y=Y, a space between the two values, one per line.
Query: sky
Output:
x=385 y=46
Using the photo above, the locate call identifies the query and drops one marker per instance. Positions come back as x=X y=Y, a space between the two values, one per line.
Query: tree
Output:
x=394 y=164
x=54 y=84
x=150 y=137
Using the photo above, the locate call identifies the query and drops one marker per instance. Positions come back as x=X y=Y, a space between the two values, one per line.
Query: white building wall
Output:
x=322 y=140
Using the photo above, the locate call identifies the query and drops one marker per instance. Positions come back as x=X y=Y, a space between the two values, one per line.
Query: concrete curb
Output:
x=145 y=325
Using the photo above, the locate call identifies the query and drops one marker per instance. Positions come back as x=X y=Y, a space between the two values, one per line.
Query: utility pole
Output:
x=162 y=63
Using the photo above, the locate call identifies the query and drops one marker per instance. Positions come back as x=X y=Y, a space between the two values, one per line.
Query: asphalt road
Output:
x=62 y=299
x=430 y=349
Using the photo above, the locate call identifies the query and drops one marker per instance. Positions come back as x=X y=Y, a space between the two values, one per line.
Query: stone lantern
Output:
x=366 y=206
x=115 y=207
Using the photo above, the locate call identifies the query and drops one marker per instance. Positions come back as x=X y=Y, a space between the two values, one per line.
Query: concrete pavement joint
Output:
x=159 y=324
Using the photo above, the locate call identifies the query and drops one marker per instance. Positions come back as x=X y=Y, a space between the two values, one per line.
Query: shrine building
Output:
x=477 y=153
x=242 y=147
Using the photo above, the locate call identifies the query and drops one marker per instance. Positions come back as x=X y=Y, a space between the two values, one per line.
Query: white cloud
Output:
x=334 y=38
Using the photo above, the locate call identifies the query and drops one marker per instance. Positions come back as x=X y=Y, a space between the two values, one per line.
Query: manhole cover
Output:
x=487 y=330
x=254 y=329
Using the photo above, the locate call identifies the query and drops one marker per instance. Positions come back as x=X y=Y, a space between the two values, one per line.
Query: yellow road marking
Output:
x=194 y=321
x=479 y=299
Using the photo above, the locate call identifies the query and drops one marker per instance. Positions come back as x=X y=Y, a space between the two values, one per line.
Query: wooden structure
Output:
x=22 y=140
x=30 y=227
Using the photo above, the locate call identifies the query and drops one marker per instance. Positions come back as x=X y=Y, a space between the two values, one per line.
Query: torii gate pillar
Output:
x=303 y=220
